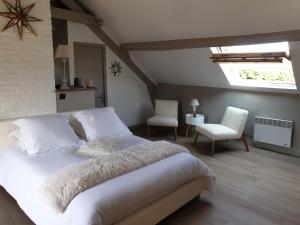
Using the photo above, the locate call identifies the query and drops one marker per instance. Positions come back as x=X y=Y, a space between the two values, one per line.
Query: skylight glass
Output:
x=261 y=75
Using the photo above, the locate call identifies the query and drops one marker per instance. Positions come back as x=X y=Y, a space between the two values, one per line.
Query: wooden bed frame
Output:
x=160 y=209
x=165 y=206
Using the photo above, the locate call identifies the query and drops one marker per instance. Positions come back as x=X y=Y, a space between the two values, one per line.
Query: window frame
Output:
x=250 y=84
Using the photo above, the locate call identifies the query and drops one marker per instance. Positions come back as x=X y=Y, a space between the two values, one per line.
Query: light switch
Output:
x=62 y=96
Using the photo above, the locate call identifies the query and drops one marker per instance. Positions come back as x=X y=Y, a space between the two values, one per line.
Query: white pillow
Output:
x=47 y=133
x=99 y=123
x=17 y=136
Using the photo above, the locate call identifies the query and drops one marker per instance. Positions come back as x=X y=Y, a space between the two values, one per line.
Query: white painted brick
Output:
x=27 y=68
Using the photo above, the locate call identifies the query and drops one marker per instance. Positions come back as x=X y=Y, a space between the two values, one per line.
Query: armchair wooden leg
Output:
x=175 y=133
x=243 y=138
x=213 y=147
x=148 y=133
x=196 y=137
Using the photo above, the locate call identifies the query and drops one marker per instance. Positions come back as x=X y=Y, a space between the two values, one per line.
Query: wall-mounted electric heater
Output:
x=273 y=131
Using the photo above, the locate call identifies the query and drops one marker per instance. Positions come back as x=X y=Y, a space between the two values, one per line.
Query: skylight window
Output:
x=261 y=65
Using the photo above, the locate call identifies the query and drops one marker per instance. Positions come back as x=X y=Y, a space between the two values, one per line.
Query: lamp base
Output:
x=64 y=84
x=64 y=87
x=194 y=113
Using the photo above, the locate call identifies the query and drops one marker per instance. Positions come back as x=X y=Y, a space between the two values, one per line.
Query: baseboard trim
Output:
x=287 y=151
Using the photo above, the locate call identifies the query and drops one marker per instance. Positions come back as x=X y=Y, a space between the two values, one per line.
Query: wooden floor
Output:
x=256 y=188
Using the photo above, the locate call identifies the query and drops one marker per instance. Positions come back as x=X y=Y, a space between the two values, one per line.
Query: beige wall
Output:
x=213 y=102
x=26 y=67
x=127 y=93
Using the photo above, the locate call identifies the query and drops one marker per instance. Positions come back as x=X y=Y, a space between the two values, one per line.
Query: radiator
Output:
x=273 y=131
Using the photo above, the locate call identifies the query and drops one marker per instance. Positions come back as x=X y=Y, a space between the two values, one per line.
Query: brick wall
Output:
x=26 y=67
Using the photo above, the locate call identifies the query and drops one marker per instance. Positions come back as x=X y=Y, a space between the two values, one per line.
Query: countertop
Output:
x=76 y=89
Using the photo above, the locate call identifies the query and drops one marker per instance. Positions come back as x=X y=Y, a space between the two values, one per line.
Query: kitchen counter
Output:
x=76 y=89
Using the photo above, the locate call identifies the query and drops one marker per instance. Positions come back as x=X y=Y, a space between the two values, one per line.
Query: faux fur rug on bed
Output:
x=60 y=189
x=103 y=146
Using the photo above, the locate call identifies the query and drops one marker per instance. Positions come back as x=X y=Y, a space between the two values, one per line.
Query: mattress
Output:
x=105 y=204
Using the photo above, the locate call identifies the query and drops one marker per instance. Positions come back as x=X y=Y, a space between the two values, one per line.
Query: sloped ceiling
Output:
x=144 y=20
x=156 y=20
x=186 y=67
x=194 y=67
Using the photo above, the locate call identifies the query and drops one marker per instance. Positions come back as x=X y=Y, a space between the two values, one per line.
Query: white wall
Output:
x=127 y=93
x=26 y=67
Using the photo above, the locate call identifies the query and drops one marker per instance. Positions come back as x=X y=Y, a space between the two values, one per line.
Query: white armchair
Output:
x=231 y=127
x=166 y=115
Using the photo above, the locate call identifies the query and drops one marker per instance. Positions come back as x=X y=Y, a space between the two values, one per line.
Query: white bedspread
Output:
x=104 y=204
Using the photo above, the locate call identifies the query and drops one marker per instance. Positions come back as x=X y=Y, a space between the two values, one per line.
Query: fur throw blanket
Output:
x=61 y=188
x=100 y=147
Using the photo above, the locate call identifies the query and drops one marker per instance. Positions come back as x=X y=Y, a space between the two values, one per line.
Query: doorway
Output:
x=90 y=65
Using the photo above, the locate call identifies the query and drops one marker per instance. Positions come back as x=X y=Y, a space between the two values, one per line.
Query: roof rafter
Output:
x=292 y=35
x=77 y=17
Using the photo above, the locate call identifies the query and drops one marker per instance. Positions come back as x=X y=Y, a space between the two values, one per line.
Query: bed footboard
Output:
x=158 y=210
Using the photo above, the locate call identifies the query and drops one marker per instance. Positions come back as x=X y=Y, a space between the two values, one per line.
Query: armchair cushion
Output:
x=166 y=108
x=217 y=132
x=235 y=119
x=164 y=121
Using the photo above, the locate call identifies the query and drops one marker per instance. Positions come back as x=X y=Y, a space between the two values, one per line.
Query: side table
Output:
x=193 y=121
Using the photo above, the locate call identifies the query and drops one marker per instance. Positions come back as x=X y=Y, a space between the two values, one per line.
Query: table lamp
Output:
x=64 y=52
x=194 y=103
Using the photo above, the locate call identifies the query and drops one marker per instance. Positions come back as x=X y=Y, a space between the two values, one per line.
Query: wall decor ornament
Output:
x=19 y=17
x=116 y=68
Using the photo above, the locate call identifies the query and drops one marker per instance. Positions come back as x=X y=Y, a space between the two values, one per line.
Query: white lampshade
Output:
x=194 y=102
x=64 y=52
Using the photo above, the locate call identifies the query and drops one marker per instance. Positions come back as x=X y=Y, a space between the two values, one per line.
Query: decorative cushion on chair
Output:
x=217 y=132
x=165 y=121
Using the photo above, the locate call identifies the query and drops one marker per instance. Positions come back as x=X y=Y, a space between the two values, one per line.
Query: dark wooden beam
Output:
x=251 y=55
x=123 y=55
x=233 y=60
x=266 y=57
x=73 y=5
x=293 y=35
x=77 y=17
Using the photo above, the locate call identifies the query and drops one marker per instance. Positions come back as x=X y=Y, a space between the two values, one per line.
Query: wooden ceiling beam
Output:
x=73 y=5
x=265 y=57
x=251 y=55
x=262 y=60
x=123 y=55
x=292 y=35
x=77 y=17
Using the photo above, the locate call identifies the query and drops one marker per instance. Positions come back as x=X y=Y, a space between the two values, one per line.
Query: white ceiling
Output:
x=144 y=20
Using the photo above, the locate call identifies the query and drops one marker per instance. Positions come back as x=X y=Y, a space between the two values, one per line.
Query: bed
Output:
x=144 y=196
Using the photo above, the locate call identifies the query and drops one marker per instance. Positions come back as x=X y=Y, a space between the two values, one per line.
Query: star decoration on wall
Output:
x=19 y=17
x=116 y=68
